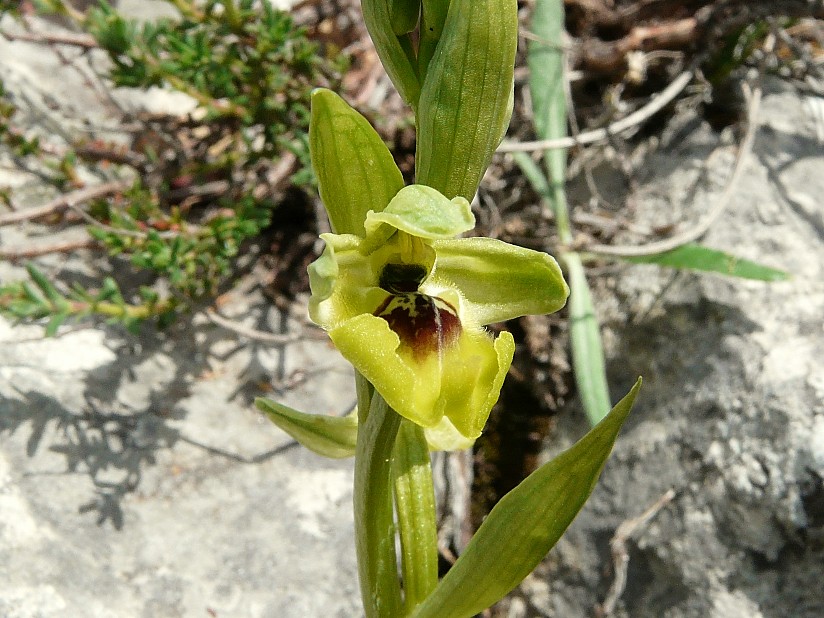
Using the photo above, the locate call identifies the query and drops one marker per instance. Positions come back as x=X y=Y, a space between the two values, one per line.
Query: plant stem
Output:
x=415 y=504
x=374 y=525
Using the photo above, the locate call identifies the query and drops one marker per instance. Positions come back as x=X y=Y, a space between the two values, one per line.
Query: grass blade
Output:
x=585 y=335
x=699 y=257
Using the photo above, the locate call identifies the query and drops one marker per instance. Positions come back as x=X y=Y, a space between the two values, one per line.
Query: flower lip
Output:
x=424 y=324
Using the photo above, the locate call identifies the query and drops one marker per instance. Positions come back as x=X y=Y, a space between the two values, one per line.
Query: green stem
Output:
x=374 y=525
x=117 y=310
x=415 y=504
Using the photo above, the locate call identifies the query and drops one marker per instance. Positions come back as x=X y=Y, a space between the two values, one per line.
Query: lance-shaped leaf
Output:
x=525 y=524
x=546 y=87
x=329 y=436
x=415 y=512
x=396 y=52
x=356 y=172
x=374 y=515
x=466 y=100
x=587 y=351
x=698 y=257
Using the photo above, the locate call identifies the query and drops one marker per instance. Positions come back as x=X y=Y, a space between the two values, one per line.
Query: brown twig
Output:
x=69 y=200
x=620 y=555
x=250 y=333
x=619 y=126
x=704 y=224
x=53 y=38
x=60 y=247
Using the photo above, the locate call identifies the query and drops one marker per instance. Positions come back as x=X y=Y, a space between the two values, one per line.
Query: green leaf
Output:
x=466 y=99
x=329 y=436
x=545 y=60
x=433 y=17
x=374 y=514
x=699 y=257
x=533 y=172
x=54 y=324
x=356 y=172
x=525 y=524
x=403 y=14
x=44 y=284
x=546 y=87
x=394 y=52
x=587 y=352
x=415 y=509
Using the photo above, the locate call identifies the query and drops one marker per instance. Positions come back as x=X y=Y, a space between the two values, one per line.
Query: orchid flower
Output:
x=406 y=304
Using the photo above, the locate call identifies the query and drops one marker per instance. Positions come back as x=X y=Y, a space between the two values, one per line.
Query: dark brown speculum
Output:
x=425 y=324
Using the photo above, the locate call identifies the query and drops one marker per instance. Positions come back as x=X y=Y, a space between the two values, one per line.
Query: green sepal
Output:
x=355 y=170
x=329 y=436
x=500 y=281
x=395 y=52
x=466 y=98
x=525 y=524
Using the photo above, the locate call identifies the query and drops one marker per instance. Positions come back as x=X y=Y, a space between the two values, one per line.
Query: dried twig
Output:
x=251 y=333
x=704 y=224
x=53 y=38
x=60 y=247
x=590 y=137
x=69 y=200
x=620 y=556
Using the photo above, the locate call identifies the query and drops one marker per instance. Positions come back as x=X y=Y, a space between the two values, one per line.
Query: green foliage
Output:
x=201 y=180
x=40 y=299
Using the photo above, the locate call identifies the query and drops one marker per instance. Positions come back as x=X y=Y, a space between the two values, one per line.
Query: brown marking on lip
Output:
x=425 y=324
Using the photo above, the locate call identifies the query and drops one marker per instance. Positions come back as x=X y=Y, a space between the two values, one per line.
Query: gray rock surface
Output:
x=136 y=478
x=731 y=416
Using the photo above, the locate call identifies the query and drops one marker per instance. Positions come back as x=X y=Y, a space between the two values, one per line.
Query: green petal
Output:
x=498 y=281
x=466 y=98
x=424 y=212
x=343 y=282
x=356 y=172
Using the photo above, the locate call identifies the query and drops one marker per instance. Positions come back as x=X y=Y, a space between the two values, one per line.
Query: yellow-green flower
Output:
x=406 y=304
